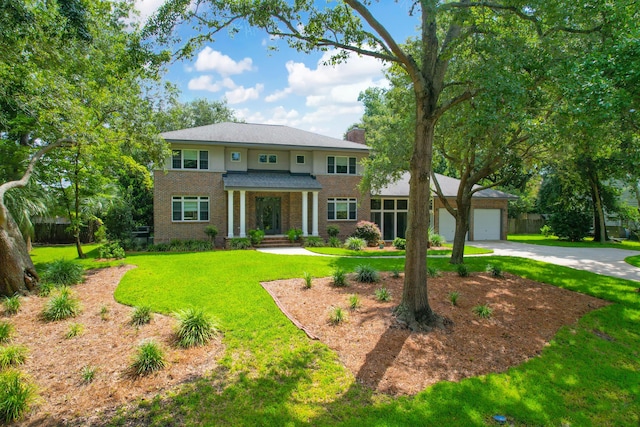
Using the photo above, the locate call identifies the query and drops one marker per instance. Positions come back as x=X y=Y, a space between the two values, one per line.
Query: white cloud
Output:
x=241 y=94
x=280 y=94
x=146 y=8
x=212 y=60
x=206 y=82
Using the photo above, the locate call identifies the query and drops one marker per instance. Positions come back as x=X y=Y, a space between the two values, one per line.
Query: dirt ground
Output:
x=55 y=362
x=391 y=359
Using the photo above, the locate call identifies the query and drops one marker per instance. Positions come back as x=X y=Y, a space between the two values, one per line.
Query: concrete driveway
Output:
x=609 y=262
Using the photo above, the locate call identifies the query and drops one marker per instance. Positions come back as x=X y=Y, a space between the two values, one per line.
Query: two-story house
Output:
x=241 y=176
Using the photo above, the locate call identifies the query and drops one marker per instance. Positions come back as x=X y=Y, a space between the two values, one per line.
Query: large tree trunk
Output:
x=462 y=228
x=600 y=229
x=17 y=273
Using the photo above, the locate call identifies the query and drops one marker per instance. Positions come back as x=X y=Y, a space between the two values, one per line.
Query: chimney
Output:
x=356 y=135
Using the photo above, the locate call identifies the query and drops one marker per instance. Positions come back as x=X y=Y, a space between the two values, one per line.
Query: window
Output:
x=268 y=158
x=235 y=156
x=300 y=160
x=391 y=216
x=190 y=159
x=342 y=209
x=190 y=208
x=341 y=165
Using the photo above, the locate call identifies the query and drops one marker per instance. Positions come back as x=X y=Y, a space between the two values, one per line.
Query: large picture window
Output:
x=342 y=208
x=341 y=165
x=391 y=216
x=190 y=159
x=190 y=208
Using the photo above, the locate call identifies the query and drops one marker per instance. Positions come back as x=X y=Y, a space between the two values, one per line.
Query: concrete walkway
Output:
x=607 y=261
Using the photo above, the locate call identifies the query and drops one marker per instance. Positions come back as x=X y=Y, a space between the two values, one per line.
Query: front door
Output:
x=268 y=214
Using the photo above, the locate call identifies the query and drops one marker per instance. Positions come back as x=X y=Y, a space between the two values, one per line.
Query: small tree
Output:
x=368 y=231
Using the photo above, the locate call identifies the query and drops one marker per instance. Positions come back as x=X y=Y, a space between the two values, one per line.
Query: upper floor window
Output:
x=190 y=159
x=190 y=208
x=341 y=165
x=342 y=208
x=268 y=158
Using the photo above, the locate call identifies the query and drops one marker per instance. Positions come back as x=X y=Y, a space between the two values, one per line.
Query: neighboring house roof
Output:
x=259 y=180
x=250 y=134
x=449 y=186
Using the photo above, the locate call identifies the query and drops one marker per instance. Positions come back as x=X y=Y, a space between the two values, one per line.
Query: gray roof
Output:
x=449 y=186
x=282 y=181
x=250 y=134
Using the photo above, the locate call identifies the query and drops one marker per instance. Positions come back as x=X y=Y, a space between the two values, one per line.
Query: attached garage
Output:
x=446 y=225
x=486 y=224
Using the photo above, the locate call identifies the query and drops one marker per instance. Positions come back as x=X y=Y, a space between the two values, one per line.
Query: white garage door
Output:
x=446 y=224
x=486 y=224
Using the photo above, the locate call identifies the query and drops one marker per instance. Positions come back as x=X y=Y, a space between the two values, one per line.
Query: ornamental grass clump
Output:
x=354 y=302
x=483 y=311
x=495 y=271
x=195 y=327
x=308 y=280
x=367 y=274
x=337 y=315
x=88 y=374
x=6 y=332
x=339 y=278
x=383 y=294
x=141 y=315
x=463 y=270
x=16 y=395
x=453 y=297
x=74 y=330
x=12 y=304
x=433 y=271
x=355 y=243
x=63 y=272
x=149 y=358
x=12 y=355
x=61 y=306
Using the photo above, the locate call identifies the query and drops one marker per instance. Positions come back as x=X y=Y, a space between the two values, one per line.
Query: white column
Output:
x=305 y=215
x=242 y=213
x=314 y=218
x=230 y=213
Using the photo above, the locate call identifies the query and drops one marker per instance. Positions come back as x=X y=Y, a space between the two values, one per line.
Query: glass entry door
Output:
x=268 y=215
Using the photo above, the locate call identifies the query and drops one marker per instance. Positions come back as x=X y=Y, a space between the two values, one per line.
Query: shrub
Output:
x=436 y=240
x=6 y=332
x=177 y=245
x=453 y=297
x=395 y=273
x=293 y=234
x=483 y=311
x=195 y=327
x=400 y=243
x=88 y=373
x=149 y=358
x=141 y=315
x=308 y=280
x=240 y=243
x=256 y=237
x=383 y=294
x=463 y=270
x=16 y=394
x=571 y=223
x=313 y=242
x=494 y=270
x=45 y=288
x=354 y=301
x=339 y=278
x=334 y=242
x=433 y=271
x=74 y=330
x=63 y=272
x=333 y=230
x=61 y=306
x=546 y=230
x=367 y=273
x=12 y=355
x=111 y=250
x=12 y=304
x=337 y=315
x=211 y=231
x=368 y=231
x=355 y=243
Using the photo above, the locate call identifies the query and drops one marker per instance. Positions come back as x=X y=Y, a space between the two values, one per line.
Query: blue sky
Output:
x=284 y=86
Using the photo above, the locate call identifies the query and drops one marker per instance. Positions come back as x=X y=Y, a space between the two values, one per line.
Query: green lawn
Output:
x=539 y=239
x=633 y=260
x=272 y=374
x=468 y=250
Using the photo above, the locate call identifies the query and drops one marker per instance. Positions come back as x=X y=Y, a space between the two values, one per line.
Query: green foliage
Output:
x=308 y=280
x=395 y=273
x=495 y=270
x=74 y=330
x=339 y=277
x=119 y=221
x=239 y=243
x=189 y=245
x=453 y=297
x=382 y=294
x=141 y=315
x=256 y=237
x=111 y=250
x=12 y=355
x=337 y=315
x=104 y=313
x=293 y=234
x=16 y=394
x=63 y=272
x=45 y=288
x=400 y=243
x=572 y=224
x=334 y=242
x=462 y=270
x=195 y=327
x=211 y=231
x=355 y=243
x=12 y=304
x=313 y=242
x=194 y=113
x=6 y=331
x=61 y=305
x=368 y=231
x=333 y=230
x=433 y=271
x=367 y=274
x=483 y=311
x=436 y=240
x=546 y=230
x=88 y=374
x=149 y=358
x=354 y=301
